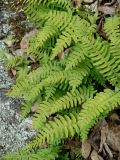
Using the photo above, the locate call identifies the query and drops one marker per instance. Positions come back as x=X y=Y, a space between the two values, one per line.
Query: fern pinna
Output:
x=74 y=61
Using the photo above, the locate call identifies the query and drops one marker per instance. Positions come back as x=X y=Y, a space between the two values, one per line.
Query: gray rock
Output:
x=13 y=134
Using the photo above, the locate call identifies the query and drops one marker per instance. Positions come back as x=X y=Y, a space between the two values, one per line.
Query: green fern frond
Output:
x=100 y=57
x=72 y=34
x=50 y=153
x=97 y=108
x=16 y=61
x=76 y=55
x=112 y=28
x=33 y=78
x=77 y=74
x=54 y=131
x=69 y=100
x=63 y=4
x=97 y=76
x=49 y=92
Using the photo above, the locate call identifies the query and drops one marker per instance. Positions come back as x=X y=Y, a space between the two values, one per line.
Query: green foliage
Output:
x=108 y=100
x=50 y=153
x=77 y=82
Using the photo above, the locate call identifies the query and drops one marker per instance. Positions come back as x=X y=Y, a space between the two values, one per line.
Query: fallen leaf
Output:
x=25 y=40
x=94 y=156
x=11 y=72
x=34 y=107
x=19 y=52
x=62 y=54
x=86 y=149
x=110 y=3
x=32 y=58
x=114 y=117
x=113 y=137
x=107 y=10
x=76 y=3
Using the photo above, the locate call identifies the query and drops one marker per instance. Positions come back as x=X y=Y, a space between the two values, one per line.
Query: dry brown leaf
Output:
x=76 y=3
x=19 y=52
x=11 y=72
x=114 y=117
x=32 y=58
x=62 y=54
x=34 y=107
x=113 y=137
x=110 y=3
x=94 y=156
x=86 y=149
x=107 y=10
x=104 y=131
x=25 y=40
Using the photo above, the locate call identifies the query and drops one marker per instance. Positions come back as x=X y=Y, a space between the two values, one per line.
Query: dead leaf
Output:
x=109 y=153
x=32 y=58
x=95 y=136
x=34 y=107
x=86 y=148
x=107 y=10
x=76 y=3
x=19 y=52
x=113 y=137
x=72 y=143
x=111 y=3
x=62 y=54
x=104 y=131
x=10 y=43
x=11 y=72
x=95 y=156
x=114 y=117
x=25 y=40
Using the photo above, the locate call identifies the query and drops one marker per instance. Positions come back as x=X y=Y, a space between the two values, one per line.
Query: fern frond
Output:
x=112 y=28
x=76 y=55
x=77 y=74
x=49 y=92
x=72 y=34
x=97 y=76
x=100 y=57
x=16 y=61
x=62 y=4
x=97 y=108
x=50 y=153
x=54 y=131
x=69 y=100
x=32 y=79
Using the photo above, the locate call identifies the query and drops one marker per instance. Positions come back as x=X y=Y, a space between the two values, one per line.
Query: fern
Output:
x=108 y=100
x=50 y=153
x=69 y=100
x=53 y=132
x=71 y=88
